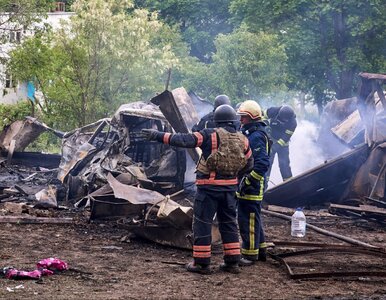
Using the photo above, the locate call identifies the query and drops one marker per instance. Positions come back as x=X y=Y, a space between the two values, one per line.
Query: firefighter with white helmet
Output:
x=251 y=187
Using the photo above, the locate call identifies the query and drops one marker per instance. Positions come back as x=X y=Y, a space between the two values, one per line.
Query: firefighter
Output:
x=251 y=187
x=207 y=120
x=282 y=124
x=225 y=154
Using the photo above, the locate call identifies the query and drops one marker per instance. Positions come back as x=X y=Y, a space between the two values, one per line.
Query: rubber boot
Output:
x=196 y=268
x=230 y=268
x=262 y=254
x=245 y=262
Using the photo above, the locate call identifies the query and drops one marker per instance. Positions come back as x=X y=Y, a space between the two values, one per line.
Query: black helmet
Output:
x=220 y=100
x=225 y=114
x=285 y=114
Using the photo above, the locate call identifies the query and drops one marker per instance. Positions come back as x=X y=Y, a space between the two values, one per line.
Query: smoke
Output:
x=305 y=153
x=190 y=175
x=202 y=106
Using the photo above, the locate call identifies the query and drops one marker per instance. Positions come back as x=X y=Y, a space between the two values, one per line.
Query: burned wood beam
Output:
x=11 y=149
x=325 y=183
x=376 y=201
x=293 y=275
x=34 y=220
x=362 y=209
x=381 y=171
x=290 y=211
x=381 y=94
x=35 y=159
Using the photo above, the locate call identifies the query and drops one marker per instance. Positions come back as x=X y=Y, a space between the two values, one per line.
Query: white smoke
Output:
x=304 y=152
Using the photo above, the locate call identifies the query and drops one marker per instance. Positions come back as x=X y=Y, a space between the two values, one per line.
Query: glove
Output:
x=150 y=134
x=247 y=184
x=244 y=186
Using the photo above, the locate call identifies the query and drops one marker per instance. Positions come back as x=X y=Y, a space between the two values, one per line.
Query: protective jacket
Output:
x=280 y=132
x=260 y=144
x=208 y=140
x=250 y=194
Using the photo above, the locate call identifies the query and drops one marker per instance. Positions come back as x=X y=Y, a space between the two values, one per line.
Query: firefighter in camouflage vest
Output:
x=225 y=155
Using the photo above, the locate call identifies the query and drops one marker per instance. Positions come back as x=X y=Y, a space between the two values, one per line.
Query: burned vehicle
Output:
x=117 y=146
x=111 y=167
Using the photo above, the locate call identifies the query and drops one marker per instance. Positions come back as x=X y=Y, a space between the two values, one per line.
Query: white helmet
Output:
x=250 y=108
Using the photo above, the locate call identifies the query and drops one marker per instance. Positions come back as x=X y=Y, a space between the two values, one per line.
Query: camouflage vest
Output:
x=227 y=157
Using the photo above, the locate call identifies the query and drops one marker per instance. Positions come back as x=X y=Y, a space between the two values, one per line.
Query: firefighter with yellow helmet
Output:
x=251 y=187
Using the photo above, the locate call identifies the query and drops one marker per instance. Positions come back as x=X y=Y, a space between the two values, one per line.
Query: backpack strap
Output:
x=215 y=146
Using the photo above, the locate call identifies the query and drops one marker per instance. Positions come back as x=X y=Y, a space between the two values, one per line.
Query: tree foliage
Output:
x=117 y=51
x=249 y=65
x=200 y=21
x=102 y=58
x=12 y=112
x=327 y=42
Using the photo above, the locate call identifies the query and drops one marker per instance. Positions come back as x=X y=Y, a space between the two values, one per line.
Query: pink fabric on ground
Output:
x=53 y=264
x=16 y=274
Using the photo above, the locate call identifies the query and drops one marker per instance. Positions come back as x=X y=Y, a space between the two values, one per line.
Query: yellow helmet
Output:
x=250 y=108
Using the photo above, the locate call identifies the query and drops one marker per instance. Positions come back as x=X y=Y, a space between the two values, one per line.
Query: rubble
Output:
x=325 y=249
x=18 y=135
x=109 y=169
x=357 y=174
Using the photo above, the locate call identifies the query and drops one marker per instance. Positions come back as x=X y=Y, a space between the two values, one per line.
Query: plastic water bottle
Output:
x=298 y=223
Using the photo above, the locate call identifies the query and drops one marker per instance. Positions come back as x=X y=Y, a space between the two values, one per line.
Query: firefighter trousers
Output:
x=283 y=158
x=251 y=228
x=207 y=203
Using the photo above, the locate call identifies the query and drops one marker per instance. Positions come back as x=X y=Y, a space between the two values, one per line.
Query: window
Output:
x=58 y=6
x=9 y=82
x=15 y=36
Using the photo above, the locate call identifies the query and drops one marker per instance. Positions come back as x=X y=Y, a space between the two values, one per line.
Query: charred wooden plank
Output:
x=34 y=220
x=325 y=183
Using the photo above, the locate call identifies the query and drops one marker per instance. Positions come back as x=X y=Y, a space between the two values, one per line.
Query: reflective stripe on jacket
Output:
x=206 y=141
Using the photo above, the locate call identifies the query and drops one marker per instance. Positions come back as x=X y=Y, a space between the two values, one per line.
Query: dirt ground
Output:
x=108 y=265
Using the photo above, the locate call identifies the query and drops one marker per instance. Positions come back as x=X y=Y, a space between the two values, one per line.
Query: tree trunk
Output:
x=341 y=43
x=32 y=108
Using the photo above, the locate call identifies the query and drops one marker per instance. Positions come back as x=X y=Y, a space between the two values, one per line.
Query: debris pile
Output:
x=354 y=181
x=110 y=169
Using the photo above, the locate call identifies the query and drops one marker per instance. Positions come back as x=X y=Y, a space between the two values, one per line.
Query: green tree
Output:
x=200 y=21
x=327 y=42
x=102 y=58
x=249 y=65
x=12 y=112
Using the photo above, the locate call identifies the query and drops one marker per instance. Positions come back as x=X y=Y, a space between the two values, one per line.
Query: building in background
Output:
x=12 y=91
